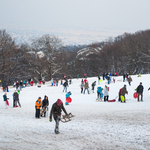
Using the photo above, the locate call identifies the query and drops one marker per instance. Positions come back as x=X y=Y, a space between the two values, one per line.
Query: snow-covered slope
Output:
x=96 y=125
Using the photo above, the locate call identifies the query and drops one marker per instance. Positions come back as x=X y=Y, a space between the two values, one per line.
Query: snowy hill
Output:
x=96 y=125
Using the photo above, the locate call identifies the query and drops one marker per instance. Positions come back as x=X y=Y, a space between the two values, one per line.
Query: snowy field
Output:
x=96 y=125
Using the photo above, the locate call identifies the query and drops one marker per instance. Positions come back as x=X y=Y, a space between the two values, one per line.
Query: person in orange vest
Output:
x=38 y=104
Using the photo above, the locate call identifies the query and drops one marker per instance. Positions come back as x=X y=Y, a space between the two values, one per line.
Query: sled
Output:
x=99 y=100
x=68 y=100
x=135 y=95
x=66 y=118
x=44 y=109
x=113 y=100
x=7 y=103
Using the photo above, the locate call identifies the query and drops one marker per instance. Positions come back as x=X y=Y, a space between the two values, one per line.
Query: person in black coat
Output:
x=65 y=86
x=93 y=85
x=16 y=99
x=4 y=85
x=140 y=89
x=56 y=109
x=45 y=103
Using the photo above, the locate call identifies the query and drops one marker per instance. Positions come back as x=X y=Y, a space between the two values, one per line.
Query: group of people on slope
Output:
x=124 y=91
x=16 y=101
x=39 y=104
x=55 y=111
x=84 y=86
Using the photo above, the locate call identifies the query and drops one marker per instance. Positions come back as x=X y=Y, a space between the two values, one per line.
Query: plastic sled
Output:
x=7 y=103
x=113 y=100
x=135 y=95
x=68 y=100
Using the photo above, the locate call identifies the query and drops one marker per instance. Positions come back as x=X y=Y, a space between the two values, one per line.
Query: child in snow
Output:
x=99 y=93
x=56 y=112
x=106 y=95
x=82 y=86
x=67 y=95
x=5 y=99
x=38 y=105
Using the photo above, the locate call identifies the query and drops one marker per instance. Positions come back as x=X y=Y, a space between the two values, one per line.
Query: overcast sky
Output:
x=82 y=14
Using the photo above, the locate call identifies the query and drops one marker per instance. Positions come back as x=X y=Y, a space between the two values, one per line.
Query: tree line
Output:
x=47 y=57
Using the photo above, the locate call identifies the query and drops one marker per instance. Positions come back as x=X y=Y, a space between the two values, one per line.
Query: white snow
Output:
x=96 y=125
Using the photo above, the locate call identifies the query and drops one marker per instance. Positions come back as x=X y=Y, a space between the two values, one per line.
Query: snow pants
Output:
x=37 y=113
x=17 y=101
x=57 y=120
x=106 y=98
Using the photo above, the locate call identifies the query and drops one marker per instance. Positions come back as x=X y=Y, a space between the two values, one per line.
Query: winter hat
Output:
x=59 y=102
x=140 y=82
x=39 y=97
x=124 y=85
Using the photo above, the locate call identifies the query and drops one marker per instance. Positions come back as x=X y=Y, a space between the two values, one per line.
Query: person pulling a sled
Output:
x=56 y=109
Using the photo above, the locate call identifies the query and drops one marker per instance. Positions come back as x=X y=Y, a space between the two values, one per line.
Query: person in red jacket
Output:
x=119 y=94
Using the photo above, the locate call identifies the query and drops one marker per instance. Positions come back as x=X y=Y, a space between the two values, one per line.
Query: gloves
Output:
x=50 y=120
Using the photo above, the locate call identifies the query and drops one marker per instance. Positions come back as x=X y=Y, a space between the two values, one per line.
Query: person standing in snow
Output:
x=38 y=105
x=93 y=85
x=82 y=86
x=99 y=78
x=65 y=86
x=16 y=99
x=45 y=104
x=106 y=95
x=123 y=92
x=129 y=80
x=140 y=89
x=86 y=87
x=17 y=85
x=4 y=85
x=124 y=76
x=5 y=99
x=21 y=85
x=56 y=109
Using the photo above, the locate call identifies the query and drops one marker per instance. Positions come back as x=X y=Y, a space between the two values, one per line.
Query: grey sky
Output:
x=130 y=15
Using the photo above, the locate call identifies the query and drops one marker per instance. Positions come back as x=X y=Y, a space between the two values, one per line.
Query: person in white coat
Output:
x=106 y=95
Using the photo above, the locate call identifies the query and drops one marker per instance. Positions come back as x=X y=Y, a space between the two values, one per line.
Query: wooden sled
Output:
x=66 y=118
x=44 y=109
x=99 y=100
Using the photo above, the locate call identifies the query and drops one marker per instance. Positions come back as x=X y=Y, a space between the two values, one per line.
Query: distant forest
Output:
x=46 y=57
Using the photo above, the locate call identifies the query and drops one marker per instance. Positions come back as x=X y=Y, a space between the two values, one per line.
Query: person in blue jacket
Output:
x=99 y=92
x=68 y=95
